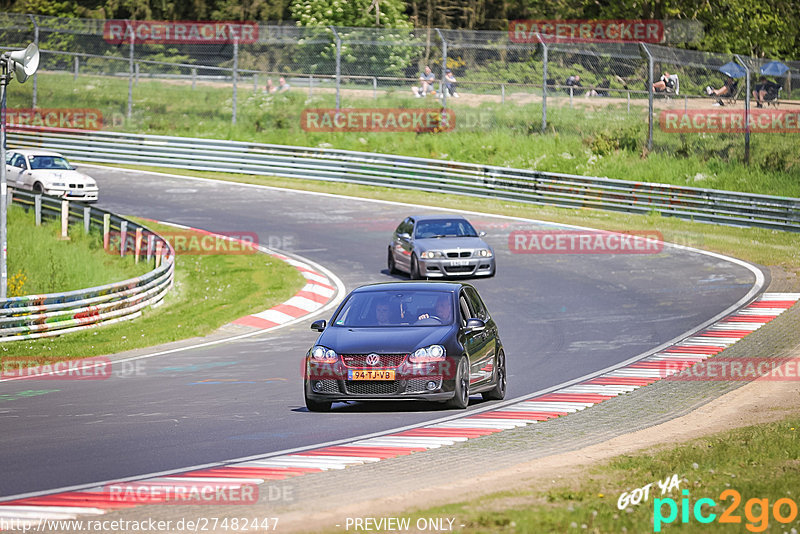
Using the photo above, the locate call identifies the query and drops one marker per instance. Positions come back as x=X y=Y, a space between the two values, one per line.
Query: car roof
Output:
x=34 y=152
x=437 y=217
x=450 y=287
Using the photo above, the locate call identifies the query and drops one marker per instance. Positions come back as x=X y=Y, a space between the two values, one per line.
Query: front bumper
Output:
x=89 y=194
x=429 y=381
x=445 y=267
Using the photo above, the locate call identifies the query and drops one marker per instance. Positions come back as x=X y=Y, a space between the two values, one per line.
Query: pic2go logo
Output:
x=756 y=511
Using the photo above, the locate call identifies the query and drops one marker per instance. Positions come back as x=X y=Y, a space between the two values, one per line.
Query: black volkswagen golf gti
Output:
x=430 y=341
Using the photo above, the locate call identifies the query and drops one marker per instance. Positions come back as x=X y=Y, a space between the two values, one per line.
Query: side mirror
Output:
x=481 y=233
x=404 y=236
x=319 y=326
x=475 y=325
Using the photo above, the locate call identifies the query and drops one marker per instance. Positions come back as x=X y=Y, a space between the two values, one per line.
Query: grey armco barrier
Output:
x=484 y=181
x=35 y=316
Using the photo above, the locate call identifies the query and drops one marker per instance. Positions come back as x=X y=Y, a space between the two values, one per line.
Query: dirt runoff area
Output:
x=757 y=402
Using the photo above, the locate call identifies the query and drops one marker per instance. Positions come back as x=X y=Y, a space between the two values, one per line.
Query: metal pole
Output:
x=443 y=85
x=235 y=74
x=338 y=65
x=130 y=72
x=35 y=74
x=746 y=110
x=77 y=63
x=649 y=57
x=4 y=76
x=544 y=83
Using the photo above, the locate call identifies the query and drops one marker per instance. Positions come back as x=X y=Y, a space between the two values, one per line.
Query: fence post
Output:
x=77 y=66
x=87 y=219
x=310 y=85
x=130 y=71
x=35 y=74
x=570 y=96
x=502 y=93
x=150 y=242
x=123 y=237
x=138 y=245
x=544 y=82
x=338 y=65
x=646 y=54
x=629 y=101
x=37 y=209
x=106 y=230
x=255 y=82
x=194 y=77
x=374 y=88
x=442 y=85
x=235 y=75
x=64 y=219
x=136 y=74
x=746 y=110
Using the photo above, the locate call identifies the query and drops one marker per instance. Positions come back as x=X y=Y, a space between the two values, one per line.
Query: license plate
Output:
x=369 y=374
x=459 y=263
x=76 y=193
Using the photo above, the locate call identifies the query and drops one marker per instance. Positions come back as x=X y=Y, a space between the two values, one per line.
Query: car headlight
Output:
x=322 y=354
x=430 y=254
x=484 y=253
x=434 y=353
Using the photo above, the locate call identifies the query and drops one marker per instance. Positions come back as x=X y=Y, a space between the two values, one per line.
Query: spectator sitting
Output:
x=572 y=82
x=270 y=87
x=426 y=80
x=450 y=83
x=728 y=89
x=668 y=82
x=282 y=85
x=600 y=89
x=765 y=90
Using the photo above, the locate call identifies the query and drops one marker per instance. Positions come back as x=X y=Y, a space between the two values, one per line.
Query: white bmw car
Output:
x=44 y=171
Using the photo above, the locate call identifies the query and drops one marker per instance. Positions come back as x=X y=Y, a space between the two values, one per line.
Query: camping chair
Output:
x=731 y=98
x=773 y=97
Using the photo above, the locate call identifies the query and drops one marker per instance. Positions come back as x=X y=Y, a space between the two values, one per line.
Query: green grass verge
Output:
x=209 y=291
x=755 y=461
x=40 y=262
x=590 y=139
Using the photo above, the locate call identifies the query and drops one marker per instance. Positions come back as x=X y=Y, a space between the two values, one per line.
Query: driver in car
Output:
x=442 y=311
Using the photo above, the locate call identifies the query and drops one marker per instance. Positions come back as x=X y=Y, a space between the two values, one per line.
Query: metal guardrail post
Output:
x=746 y=109
x=137 y=245
x=37 y=209
x=123 y=237
x=65 y=219
x=150 y=243
x=87 y=219
x=646 y=53
x=106 y=230
x=338 y=66
x=235 y=75
x=159 y=252
x=35 y=74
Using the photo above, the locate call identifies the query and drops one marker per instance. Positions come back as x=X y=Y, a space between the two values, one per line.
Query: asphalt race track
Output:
x=560 y=317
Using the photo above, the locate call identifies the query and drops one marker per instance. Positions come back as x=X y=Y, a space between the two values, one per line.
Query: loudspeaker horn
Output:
x=25 y=62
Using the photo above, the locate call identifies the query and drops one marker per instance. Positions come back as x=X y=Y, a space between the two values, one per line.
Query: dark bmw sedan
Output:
x=414 y=340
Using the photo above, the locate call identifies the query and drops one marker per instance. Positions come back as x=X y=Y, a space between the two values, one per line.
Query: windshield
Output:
x=444 y=228
x=49 y=162
x=396 y=308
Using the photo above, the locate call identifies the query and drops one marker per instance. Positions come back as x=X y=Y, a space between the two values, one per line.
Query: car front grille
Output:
x=76 y=186
x=371 y=387
x=385 y=361
x=460 y=269
x=461 y=254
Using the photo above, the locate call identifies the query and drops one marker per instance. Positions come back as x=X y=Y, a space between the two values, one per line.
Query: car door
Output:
x=16 y=170
x=488 y=337
x=402 y=244
x=473 y=342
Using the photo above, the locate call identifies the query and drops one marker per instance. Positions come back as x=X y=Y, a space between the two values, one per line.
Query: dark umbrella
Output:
x=774 y=68
x=734 y=70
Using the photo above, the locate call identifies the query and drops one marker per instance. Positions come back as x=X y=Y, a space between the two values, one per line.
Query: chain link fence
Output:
x=140 y=79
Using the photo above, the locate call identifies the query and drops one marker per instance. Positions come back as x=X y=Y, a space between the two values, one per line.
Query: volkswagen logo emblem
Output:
x=373 y=359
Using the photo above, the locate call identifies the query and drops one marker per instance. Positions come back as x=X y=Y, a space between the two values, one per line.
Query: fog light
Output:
x=318 y=385
x=431 y=385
